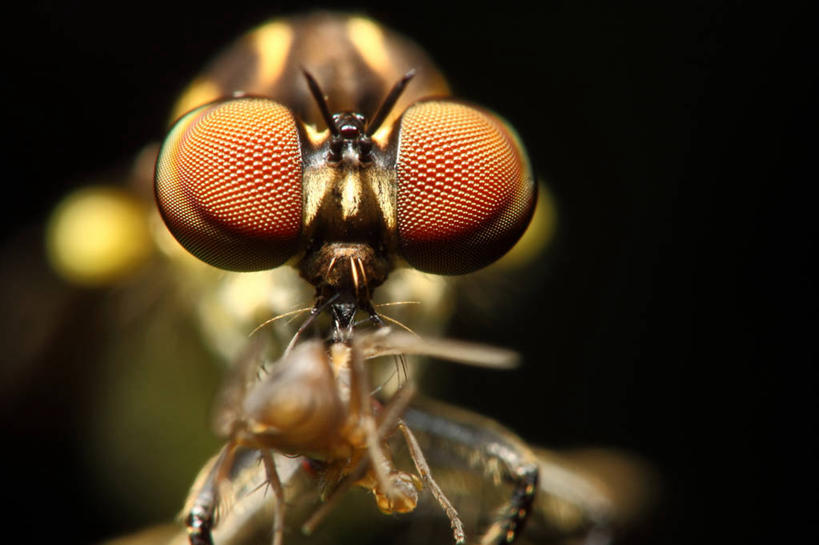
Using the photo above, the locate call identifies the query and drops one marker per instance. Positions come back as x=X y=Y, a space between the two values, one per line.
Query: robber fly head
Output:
x=244 y=185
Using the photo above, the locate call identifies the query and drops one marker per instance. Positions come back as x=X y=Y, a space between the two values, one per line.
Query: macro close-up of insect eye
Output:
x=417 y=275
x=247 y=183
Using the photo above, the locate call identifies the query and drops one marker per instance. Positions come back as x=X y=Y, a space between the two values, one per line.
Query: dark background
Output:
x=676 y=313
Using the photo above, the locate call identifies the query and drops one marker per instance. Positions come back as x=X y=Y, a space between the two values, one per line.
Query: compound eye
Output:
x=465 y=190
x=229 y=184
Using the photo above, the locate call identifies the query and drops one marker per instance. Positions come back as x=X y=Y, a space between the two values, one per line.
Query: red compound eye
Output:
x=229 y=185
x=465 y=191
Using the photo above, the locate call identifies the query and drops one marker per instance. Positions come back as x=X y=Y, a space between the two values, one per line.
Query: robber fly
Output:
x=306 y=163
x=490 y=477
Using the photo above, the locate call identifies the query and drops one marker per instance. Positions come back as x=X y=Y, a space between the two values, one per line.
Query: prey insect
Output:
x=487 y=471
x=316 y=402
x=399 y=177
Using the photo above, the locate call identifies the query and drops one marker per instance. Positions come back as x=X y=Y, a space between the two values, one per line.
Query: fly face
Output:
x=248 y=184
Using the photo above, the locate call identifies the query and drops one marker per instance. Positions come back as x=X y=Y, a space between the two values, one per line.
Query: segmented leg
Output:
x=421 y=465
x=200 y=522
x=387 y=421
x=204 y=500
x=361 y=401
x=231 y=475
x=547 y=489
x=512 y=517
x=485 y=445
x=278 y=493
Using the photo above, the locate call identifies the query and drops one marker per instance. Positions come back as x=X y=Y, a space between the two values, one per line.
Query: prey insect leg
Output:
x=396 y=499
x=278 y=493
x=387 y=421
x=421 y=465
x=486 y=446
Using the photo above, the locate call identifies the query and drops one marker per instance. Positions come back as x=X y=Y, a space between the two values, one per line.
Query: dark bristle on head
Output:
x=321 y=101
x=389 y=102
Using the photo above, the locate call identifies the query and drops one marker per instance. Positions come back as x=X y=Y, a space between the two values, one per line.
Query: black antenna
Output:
x=388 y=103
x=321 y=101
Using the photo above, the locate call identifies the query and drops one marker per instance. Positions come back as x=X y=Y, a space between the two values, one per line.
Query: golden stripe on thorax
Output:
x=352 y=203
